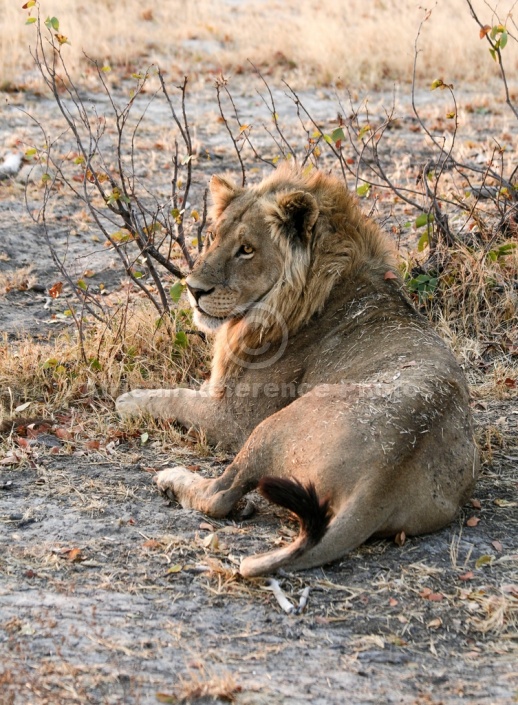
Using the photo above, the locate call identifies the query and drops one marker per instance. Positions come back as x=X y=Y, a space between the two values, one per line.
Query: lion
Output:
x=342 y=403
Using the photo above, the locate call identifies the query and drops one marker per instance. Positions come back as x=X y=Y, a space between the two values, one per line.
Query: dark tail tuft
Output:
x=314 y=514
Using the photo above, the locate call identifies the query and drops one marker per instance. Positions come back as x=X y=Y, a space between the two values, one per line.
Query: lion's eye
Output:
x=245 y=251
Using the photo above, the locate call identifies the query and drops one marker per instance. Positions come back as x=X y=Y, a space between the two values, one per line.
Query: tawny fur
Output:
x=323 y=374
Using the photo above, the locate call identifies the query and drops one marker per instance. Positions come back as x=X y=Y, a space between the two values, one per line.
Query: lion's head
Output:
x=274 y=254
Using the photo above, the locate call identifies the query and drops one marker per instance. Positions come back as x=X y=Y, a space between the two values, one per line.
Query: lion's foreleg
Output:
x=187 y=407
x=174 y=404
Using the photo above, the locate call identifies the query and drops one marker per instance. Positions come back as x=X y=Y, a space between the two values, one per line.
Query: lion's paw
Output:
x=176 y=482
x=132 y=403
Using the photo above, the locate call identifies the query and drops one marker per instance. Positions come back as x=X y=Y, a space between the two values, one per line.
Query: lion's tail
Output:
x=313 y=514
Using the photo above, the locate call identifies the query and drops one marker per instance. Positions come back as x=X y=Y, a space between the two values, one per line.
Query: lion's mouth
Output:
x=210 y=323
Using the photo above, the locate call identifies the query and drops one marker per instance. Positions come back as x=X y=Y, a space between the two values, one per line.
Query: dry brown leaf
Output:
x=63 y=433
x=428 y=594
x=400 y=538
x=435 y=623
x=497 y=546
x=466 y=576
x=55 y=290
x=151 y=544
x=204 y=526
x=75 y=555
x=475 y=503
x=473 y=521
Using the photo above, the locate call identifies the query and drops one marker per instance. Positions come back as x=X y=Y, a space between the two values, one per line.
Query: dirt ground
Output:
x=110 y=594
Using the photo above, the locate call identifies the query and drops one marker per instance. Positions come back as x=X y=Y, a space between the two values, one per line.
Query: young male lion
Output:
x=344 y=404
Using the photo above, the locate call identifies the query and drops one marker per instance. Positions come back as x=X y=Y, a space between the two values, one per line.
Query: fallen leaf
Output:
x=174 y=568
x=10 y=460
x=475 y=503
x=151 y=544
x=497 y=546
x=435 y=623
x=204 y=526
x=467 y=576
x=63 y=433
x=504 y=503
x=22 y=407
x=427 y=594
x=473 y=521
x=483 y=560
x=393 y=602
x=193 y=468
x=400 y=538
x=166 y=698
x=93 y=445
x=211 y=541
x=55 y=290
x=75 y=555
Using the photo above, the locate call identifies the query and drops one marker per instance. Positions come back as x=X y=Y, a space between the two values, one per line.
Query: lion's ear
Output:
x=222 y=191
x=299 y=212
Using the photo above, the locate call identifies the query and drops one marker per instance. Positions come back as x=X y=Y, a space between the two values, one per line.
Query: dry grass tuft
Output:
x=19 y=279
x=202 y=684
x=351 y=41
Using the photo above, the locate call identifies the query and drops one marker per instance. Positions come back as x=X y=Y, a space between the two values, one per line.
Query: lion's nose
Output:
x=197 y=292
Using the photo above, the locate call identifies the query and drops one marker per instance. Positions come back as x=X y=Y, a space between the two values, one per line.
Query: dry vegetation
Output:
x=309 y=41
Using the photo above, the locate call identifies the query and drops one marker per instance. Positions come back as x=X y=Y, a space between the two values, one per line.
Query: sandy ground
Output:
x=110 y=594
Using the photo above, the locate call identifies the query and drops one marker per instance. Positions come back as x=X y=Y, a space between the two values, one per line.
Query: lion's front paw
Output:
x=133 y=403
x=177 y=482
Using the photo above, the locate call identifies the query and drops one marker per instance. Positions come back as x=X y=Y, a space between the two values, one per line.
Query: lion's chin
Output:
x=207 y=324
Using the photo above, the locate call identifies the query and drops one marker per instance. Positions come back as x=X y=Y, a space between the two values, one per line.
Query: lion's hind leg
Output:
x=215 y=497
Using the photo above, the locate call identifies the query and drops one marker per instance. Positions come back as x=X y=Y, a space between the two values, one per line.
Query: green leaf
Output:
x=483 y=560
x=438 y=83
x=337 y=135
x=45 y=178
x=181 y=340
x=29 y=4
x=424 y=219
x=29 y=153
x=363 y=190
x=493 y=54
x=176 y=568
x=177 y=215
x=363 y=131
x=52 y=23
x=423 y=242
x=31 y=20
x=95 y=364
x=328 y=139
x=106 y=69
x=82 y=285
x=503 y=40
x=176 y=291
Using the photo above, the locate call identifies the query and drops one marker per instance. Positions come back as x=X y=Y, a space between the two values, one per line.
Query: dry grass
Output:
x=73 y=370
x=317 y=42
x=19 y=279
